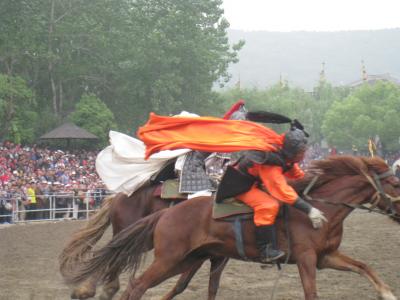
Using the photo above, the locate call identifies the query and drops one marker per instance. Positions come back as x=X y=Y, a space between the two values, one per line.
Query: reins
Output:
x=379 y=194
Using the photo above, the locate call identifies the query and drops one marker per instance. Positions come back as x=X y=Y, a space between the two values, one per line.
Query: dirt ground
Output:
x=29 y=270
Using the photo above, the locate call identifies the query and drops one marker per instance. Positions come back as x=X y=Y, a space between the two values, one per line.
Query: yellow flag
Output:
x=371 y=147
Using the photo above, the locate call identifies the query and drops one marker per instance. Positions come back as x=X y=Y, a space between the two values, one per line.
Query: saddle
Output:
x=169 y=190
x=173 y=188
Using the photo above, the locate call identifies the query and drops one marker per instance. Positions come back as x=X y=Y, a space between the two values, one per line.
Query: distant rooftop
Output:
x=68 y=131
x=372 y=79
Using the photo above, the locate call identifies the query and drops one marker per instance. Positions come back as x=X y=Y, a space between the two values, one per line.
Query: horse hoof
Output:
x=82 y=294
x=388 y=296
x=105 y=297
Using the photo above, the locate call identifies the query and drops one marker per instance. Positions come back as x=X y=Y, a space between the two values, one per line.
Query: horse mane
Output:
x=333 y=167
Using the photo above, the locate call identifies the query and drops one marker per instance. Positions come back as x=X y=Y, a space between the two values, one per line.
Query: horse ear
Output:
x=267 y=117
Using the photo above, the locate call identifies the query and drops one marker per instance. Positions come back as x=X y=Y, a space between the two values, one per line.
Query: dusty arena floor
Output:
x=29 y=271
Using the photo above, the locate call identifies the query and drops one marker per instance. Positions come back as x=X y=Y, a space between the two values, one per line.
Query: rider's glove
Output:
x=317 y=217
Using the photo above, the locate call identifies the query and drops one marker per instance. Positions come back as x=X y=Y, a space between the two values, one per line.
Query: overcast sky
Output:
x=312 y=15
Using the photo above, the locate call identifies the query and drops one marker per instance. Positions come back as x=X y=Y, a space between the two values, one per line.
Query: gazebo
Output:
x=69 y=131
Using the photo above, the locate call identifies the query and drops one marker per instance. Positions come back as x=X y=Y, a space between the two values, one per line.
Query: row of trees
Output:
x=342 y=116
x=105 y=64
x=136 y=56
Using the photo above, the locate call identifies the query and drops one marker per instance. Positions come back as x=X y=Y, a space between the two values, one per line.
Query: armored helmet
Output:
x=294 y=143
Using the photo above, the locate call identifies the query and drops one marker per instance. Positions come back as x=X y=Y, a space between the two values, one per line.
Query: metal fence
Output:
x=58 y=206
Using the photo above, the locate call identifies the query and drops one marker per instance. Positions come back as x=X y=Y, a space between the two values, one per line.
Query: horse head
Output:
x=370 y=178
x=386 y=185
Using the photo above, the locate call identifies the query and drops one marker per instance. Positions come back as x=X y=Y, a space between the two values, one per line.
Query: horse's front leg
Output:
x=110 y=289
x=339 y=261
x=307 y=265
x=217 y=266
x=183 y=281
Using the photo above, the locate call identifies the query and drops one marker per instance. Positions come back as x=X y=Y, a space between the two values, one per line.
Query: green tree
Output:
x=17 y=109
x=178 y=50
x=93 y=115
x=138 y=56
x=324 y=95
x=368 y=111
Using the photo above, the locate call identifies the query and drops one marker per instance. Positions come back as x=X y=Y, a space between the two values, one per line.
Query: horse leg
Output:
x=110 y=289
x=183 y=281
x=85 y=290
x=124 y=212
x=217 y=266
x=306 y=264
x=339 y=261
x=159 y=271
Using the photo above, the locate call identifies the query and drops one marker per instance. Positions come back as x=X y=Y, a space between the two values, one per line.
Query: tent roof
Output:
x=68 y=131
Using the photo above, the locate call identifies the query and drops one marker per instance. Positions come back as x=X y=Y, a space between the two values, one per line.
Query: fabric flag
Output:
x=371 y=147
x=207 y=134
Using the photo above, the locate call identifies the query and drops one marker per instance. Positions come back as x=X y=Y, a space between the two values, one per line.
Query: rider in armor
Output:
x=258 y=178
x=271 y=169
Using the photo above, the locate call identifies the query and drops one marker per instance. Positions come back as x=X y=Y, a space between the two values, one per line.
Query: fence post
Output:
x=51 y=206
x=87 y=200
x=15 y=217
x=75 y=208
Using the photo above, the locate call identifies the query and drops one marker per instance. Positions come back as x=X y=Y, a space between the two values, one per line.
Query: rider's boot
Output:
x=266 y=244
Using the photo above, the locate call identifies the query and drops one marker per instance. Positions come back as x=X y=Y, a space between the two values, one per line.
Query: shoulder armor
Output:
x=256 y=156
x=264 y=158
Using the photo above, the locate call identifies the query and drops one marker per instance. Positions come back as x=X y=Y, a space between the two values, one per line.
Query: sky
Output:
x=312 y=15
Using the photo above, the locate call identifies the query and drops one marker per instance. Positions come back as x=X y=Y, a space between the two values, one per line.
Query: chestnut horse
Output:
x=120 y=211
x=186 y=234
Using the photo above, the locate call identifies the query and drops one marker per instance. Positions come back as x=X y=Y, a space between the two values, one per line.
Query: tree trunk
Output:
x=60 y=96
x=50 y=58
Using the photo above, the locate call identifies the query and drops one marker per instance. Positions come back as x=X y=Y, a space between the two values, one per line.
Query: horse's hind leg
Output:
x=157 y=272
x=85 y=290
x=217 y=266
x=183 y=281
x=339 y=261
x=110 y=289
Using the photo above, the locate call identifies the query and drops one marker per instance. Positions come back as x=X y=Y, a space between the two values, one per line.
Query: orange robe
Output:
x=206 y=134
x=210 y=134
x=266 y=205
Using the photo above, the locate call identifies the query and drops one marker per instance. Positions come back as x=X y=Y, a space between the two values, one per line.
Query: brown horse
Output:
x=120 y=211
x=186 y=234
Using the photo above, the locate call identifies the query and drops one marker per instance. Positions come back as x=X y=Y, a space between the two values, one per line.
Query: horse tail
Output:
x=84 y=239
x=125 y=251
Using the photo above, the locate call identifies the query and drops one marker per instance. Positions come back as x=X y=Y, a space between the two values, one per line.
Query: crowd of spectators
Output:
x=35 y=179
x=30 y=176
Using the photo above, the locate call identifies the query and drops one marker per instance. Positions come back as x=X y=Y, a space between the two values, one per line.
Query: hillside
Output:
x=298 y=56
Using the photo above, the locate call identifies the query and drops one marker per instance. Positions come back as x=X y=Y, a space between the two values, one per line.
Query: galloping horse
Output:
x=120 y=211
x=186 y=234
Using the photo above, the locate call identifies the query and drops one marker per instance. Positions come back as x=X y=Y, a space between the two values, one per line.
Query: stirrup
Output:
x=269 y=255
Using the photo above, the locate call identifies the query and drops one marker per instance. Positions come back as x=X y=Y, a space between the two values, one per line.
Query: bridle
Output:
x=375 y=181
